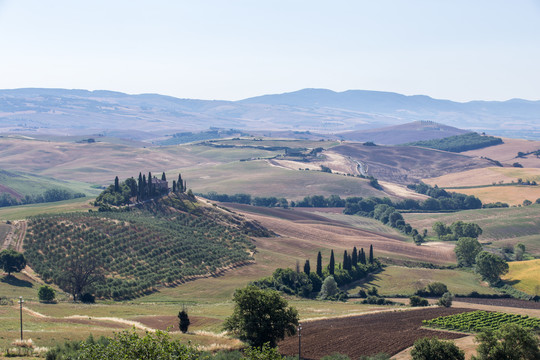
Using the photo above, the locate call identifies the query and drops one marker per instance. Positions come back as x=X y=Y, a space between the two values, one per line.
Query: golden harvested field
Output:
x=524 y=276
x=485 y=176
x=512 y=195
x=506 y=153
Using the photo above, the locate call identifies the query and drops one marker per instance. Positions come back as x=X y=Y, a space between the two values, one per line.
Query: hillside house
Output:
x=162 y=186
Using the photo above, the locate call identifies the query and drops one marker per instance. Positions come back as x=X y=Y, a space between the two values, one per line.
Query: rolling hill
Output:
x=151 y=115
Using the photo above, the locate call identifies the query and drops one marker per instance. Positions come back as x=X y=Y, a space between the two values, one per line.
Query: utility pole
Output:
x=21 y=301
x=299 y=341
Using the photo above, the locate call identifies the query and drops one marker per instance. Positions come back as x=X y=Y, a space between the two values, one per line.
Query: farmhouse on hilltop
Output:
x=162 y=186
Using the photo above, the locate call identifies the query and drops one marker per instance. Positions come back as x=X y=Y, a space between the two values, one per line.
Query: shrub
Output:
x=434 y=349
x=88 y=298
x=46 y=293
x=418 y=301
x=445 y=300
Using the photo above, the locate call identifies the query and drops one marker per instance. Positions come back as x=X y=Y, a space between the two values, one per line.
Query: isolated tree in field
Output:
x=491 y=266
x=435 y=349
x=183 y=321
x=307 y=267
x=371 y=254
x=46 y=293
x=332 y=264
x=329 y=288
x=12 y=261
x=261 y=316
x=80 y=273
x=466 y=250
x=116 y=184
x=511 y=341
x=319 y=264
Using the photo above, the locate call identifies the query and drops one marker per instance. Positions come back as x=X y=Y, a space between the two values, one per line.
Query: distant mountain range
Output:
x=146 y=116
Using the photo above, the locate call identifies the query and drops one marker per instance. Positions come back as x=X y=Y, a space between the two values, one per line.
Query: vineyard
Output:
x=137 y=250
x=478 y=320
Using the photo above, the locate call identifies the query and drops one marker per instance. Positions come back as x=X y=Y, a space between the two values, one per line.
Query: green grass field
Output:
x=25 y=211
x=506 y=226
x=397 y=280
x=524 y=276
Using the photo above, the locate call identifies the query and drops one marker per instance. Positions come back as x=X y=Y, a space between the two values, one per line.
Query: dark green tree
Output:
x=435 y=349
x=261 y=316
x=345 y=260
x=183 y=321
x=180 y=184
x=441 y=229
x=319 y=264
x=116 y=184
x=163 y=177
x=362 y=256
x=490 y=266
x=150 y=185
x=466 y=250
x=12 y=261
x=354 y=257
x=371 y=254
x=46 y=293
x=510 y=342
x=174 y=186
x=332 y=264
x=307 y=267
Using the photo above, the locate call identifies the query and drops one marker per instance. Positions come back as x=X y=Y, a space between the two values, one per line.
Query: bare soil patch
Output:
x=388 y=332
x=407 y=164
x=523 y=304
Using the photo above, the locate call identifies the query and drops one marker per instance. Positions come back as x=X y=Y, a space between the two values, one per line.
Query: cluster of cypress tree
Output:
x=307 y=283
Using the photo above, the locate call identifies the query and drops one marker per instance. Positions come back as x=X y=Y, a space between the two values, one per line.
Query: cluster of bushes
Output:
x=458 y=229
x=323 y=282
x=51 y=195
x=440 y=199
x=459 y=143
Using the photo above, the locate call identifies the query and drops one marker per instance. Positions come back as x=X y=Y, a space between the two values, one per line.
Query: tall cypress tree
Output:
x=163 y=177
x=371 y=254
x=144 y=188
x=345 y=260
x=140 y=185
x=307 y=267
x=354 y=257
x=180 y=184
x=362 y=256
x=150 y=187
x=174 y=186
x=319 y=264
x=116 y=184
x=332 y=264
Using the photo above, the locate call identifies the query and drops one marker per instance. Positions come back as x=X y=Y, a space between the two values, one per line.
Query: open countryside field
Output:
x=507 y=226
x=407 y=164
x=507 y=153
x=485 y=176
x=524 y=276
x=24 y=211
x=512 y=195
x=399 y=280
x=260 y=178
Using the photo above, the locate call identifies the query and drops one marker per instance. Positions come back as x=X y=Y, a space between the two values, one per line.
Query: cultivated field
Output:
x=524 y=276
x=512 y=195
x=370 y=334
x=485 y=176
x=507 y=153
x=507 y=226
x=407 y=164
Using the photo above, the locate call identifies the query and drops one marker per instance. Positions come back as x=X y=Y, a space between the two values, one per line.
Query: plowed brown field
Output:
x=384 y=332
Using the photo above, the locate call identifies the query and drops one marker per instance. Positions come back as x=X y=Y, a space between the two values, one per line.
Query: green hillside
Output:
x=163 y=242
x=459 y=143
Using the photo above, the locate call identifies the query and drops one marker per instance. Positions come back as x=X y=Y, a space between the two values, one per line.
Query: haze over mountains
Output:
x=72 y=112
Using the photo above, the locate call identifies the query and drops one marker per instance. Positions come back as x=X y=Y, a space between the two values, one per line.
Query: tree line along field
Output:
x=136 y=250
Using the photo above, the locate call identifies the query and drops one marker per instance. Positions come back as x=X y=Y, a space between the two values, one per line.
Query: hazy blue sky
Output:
x=230 y=49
